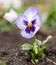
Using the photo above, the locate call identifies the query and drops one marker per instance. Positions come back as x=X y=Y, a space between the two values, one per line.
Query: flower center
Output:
x=29 y=25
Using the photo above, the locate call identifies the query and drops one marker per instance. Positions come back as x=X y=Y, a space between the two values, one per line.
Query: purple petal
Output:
x=30 y=13
x=34 y=21
x=32 y=29
x=27 y=35
x=25 y=22
x=28 y=30
x=20 y=22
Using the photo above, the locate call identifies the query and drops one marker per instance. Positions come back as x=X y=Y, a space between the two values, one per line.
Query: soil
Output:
x=12 y=54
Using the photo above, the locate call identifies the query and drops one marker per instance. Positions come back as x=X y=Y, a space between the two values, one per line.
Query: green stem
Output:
x=34 y=38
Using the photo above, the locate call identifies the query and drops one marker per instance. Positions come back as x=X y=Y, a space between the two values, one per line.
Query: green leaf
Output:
x=27 y=46
x=35 y=47
x=49 y=37
x=33 y=55
x=36 y=61
x=43 y=55
x=38 y=42
x=39 y=51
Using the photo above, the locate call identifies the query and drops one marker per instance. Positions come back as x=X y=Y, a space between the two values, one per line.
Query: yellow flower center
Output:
x=29 y=25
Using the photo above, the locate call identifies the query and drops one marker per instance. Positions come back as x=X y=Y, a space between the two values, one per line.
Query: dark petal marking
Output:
x=25 y=22
x=28 y=30
x=34 y=21
x=32 y=28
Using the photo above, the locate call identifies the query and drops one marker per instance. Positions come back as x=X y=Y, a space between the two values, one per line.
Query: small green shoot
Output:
x=37 y=49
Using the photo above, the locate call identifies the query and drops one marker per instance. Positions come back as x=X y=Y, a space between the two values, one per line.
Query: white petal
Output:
x=36 y=29
x=26 y=35
x=19 y=22
x=38 y=20
x=11 y=16
x=31 y=12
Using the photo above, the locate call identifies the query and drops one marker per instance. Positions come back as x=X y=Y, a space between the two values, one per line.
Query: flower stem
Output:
x=34 y=39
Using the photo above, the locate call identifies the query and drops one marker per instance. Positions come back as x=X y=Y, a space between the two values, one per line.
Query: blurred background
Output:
x=47 y=10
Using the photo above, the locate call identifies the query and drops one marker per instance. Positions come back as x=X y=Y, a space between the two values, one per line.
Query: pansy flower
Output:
x=29 y=22
x=11 y=16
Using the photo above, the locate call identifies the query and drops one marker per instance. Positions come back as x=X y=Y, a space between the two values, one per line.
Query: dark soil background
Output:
x=12 y=54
